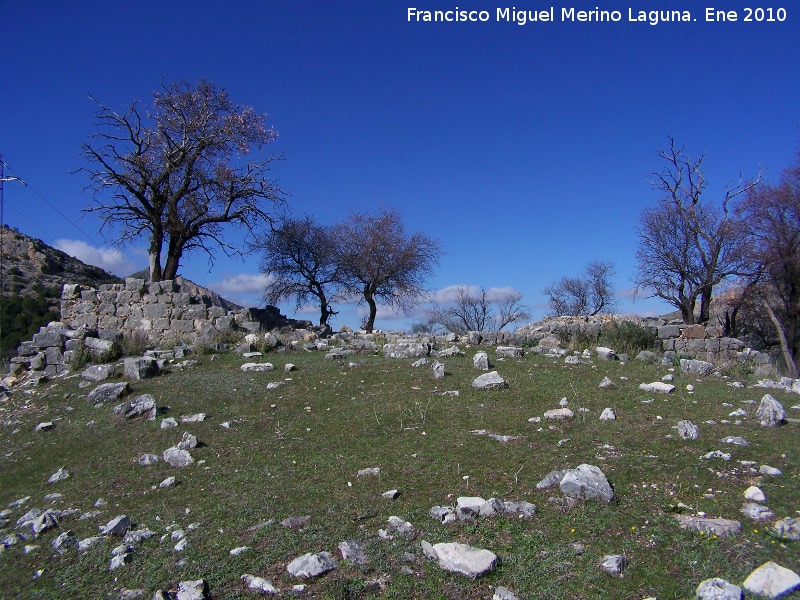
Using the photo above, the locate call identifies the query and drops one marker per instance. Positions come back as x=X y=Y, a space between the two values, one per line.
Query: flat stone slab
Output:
x=257 y=367
x=657 y=387
x=718 y=589
x=461 y=558
x=559 y=414
x=720 y=527
x=489 y=381
x=105 y=392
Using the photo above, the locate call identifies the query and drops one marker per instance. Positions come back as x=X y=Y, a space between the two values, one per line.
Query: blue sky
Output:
x=526 y=150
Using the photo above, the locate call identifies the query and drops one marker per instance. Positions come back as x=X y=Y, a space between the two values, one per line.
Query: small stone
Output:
x=754 y=494
x=257 y=367
x=757 y=512
x=391 y=494
x=613 y=564
x=608 y=414
x=767 y=470
x=239 y=550
x=168 y=423
x=657 y=387
x=735 y=440
x=461 y=558
x=175 y=457
x=46 y=426
x=718 y=589
x=788 y=529
x=259 y=583
x=59 y=475
x=559 y=414
x=146 y=460
x=687 y=430
x=197 y=418
x=369 y=471
x=770 y=412
x=353 y=552
x=606 y=383
x=167 y=483
x=488 y=381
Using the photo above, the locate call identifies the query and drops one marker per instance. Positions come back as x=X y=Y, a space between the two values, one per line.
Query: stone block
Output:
x=669 y=331
x=88 y=295
x=70 y=291
x=182 y=325
x=161 y=324
x=107 y=297
x=53 y=356
x=194 y=311
x=123 y=310
x=165 y=298
x=110 y=322
x=106 y=309
x=132 y=284
x=223 y=323
x=181 y=299
x=156 y=311
x=49 y=339
x=215 y=312
x=694 y=332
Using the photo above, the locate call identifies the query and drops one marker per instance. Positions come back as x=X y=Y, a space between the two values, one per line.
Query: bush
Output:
x=134 y=343
x=627 y=337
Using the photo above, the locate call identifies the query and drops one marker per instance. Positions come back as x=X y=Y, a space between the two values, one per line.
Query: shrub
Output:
x=628 y=337
x=134 y=343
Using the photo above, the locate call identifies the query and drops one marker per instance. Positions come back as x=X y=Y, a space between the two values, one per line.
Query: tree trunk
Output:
x=154 y=254
x=705 y=305
x=786 y=348
x=174 y=253
x=373 y=311
x=687 y=311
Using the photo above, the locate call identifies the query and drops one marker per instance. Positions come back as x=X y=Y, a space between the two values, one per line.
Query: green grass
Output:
x=296 y=451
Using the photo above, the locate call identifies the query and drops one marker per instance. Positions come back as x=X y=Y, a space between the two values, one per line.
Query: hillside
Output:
x=29 y=262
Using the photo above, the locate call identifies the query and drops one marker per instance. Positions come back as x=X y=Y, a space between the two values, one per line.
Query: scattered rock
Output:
x=551 y=479
x=489 y=381
x=258 y=367
x=607 y=383
x=586 y=482
x=687 y=430
x=167 y=483
x=501 y=593
x=369 y=471
x=657 y=387
x=757 y=512
x=608 y=414
x=438 y=370
x=146 y=460
x=168 y=423
x=420 y=363
x=772 y=580
x=106 y=392
x=720 y=527
x=604 y=353
x=770 y=412
x=481 y=361
x=175 y=457
x=64 y=542
x=311 y=565
x=296 y=522
x=260 y=584
x=142 y=367
x=188 y=441
x=461 y=558
x=788 y=529
x=767 y=470
x=137 y=407
x=613 y=564
x=391 y=494
x=353 y=552
x=559 y=414
x=196 y=418
x=754 y=494
x=119 y=525
x=696 y=367
x=59 y=475
x=98 y=372
x=444 y=514
x=718 y=589
x=736 y=441
x=509 y=352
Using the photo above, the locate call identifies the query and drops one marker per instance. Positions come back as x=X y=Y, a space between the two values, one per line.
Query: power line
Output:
x=51 y=205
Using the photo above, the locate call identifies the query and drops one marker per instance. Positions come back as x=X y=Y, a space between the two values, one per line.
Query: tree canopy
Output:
x=177 y=173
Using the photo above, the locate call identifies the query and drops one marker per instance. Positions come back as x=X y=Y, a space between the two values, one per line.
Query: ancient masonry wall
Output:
x=96 y=319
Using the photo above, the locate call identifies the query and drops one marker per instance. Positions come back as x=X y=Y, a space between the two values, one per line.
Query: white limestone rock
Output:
x=311 y=565
x=461 y=558
x=772 y=581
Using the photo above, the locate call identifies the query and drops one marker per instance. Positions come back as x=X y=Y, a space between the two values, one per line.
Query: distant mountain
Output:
x=28 y=263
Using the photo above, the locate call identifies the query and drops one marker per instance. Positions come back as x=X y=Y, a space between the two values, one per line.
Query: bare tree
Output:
x=177 y=174
x=473 y=310
x=299 y=259
x=688 y=246
x=772 y=217
x=380 y=261
x=590 y=293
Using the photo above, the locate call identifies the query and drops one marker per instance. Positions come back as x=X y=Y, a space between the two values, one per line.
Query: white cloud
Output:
x=110 y=259
x=246 y=289
x=450 y=293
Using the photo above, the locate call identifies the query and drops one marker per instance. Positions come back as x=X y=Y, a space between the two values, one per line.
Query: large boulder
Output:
x=141 y=367
x=696 y=367
x=586 y=482
x=489 y=381
x=105 y=392
x=137 y=407
x=772 y=580
x=770 y=412
x=311 y=565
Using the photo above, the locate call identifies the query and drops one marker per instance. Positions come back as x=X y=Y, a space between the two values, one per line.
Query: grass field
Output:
x=296 y=450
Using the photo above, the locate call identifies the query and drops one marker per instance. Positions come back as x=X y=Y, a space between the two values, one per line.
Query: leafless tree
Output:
x=479 y=310
x=178 y=174
x=772 y=217
x=687 y=246
x=299 y=258
x=590 y=293
x=380 y=261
